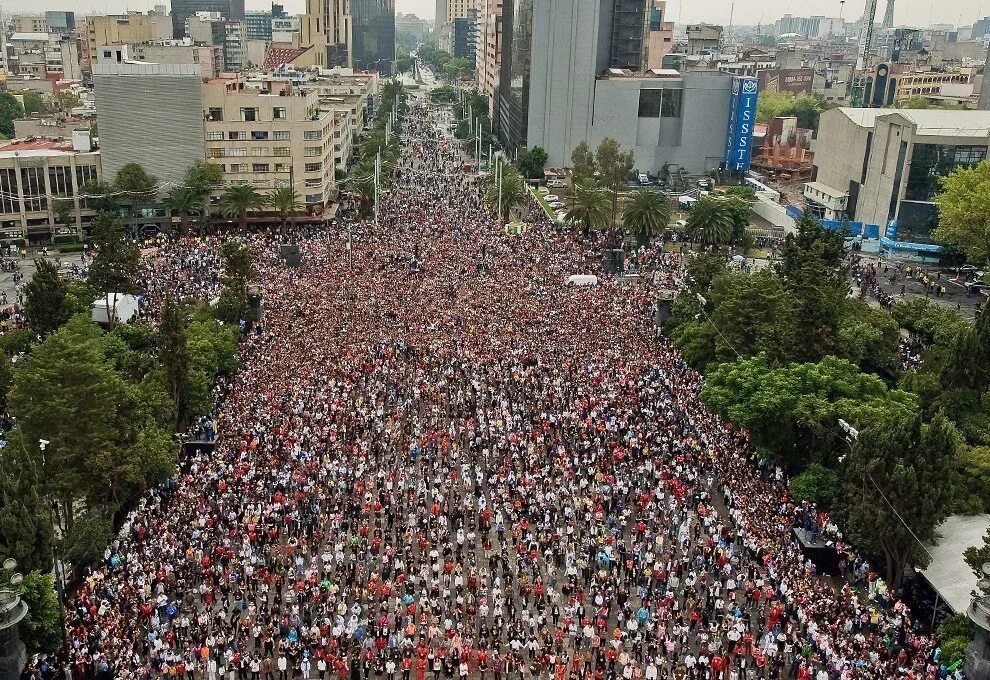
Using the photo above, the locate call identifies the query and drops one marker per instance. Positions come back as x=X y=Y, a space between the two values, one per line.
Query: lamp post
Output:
x=13 y=655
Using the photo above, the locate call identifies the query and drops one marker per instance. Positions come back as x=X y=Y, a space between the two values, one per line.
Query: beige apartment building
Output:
x=488 y=56
x=326 y=28
x=929 y=84
x=446 y=12
x=271 y=137
x=132 y=29
x=33 y=171
x=29 y=24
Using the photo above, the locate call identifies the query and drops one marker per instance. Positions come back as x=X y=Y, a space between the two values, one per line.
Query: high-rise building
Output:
x=29 y=23
x=447 y=12
x=661 y=39
x=888 y=15
x=151 y=113
x=465 y=43
x=259 y=24
x=325 y=27
x=63 y=23
x=373 y=35
x=489 y=48
x=664 y=117
x=232 y=10
x=130 y=29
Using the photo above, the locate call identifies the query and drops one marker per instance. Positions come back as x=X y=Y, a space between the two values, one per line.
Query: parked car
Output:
x=705 y=183
x=643 y=179
x=556 y=205
x=557 y=184
x=550 y=198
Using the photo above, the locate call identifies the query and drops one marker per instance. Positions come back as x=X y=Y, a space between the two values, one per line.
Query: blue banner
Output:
x=742 y=118
x=794 y=212
x=891 y=232
x=916 y=247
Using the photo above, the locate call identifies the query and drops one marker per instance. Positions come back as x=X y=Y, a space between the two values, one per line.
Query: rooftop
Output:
x=36 y=146
x=929 y=122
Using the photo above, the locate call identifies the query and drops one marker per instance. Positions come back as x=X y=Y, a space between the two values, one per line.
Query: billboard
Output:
x=742 y=118
x=793 y=80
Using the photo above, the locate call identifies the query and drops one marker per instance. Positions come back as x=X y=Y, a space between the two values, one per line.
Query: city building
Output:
x=984 y=101
x=925 y=84
x=209 y=58
x=150 y=113
x=270 y=138
x=465 y=44
x=325 y=28
x=211 y=28
x=63 y=23
x=285 y=30
x=886 y=163
x=42 y=56
x=411 y=25
x=373 y=35
x=232 y=10
x=447 y=12
x=488 y=57
x=130 y=29
x=661 y=38
x=259 y=24
x=25 y=23
x=35 y=171
x=664 y=116
x=56 y=125
x=703 y=39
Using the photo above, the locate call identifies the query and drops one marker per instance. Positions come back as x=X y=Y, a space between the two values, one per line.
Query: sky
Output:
x=746 y=12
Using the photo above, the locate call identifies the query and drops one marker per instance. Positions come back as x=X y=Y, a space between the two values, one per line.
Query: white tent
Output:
x=125 y=308
x=582 y=280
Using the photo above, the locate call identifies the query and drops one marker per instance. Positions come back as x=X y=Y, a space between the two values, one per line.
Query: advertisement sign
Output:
x=742 y=118
x=793 y=80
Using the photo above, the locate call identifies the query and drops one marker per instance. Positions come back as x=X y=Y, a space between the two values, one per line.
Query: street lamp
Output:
x=13 y=655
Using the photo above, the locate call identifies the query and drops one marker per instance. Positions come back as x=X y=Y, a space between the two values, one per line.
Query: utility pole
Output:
x=378 y=172
x=500 y=163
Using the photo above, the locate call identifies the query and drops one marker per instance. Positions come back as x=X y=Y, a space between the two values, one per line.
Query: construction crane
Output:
x=863 y=61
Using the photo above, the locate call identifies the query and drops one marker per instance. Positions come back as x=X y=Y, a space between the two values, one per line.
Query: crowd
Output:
x=440 y=461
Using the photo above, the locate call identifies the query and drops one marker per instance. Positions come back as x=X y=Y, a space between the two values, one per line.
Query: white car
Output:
x=551 y=198
x=556 y=205
x=556 y=184
x=544 y=191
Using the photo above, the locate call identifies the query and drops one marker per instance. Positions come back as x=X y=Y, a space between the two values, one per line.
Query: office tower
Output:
x=151 y=114
x=326 y=28
x=259 y=25
x=63 y=23
x=232 y=10
x=888 y=15
x=373 y=35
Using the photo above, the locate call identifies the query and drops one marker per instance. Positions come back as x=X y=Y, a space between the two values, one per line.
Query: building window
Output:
x=241 y=151
x=238 y=167
x=249 y=115
x=282 y=135
x=259 y=167
x=259 y=135
x=278 y=113
x=214 y=136
x=259 y=151
x=215 y=114
x=282 y=184
x=314 y=198
x=649 y=103
x=314 y=183
x=281 y=167
x=313 y=134
x=214 y=153
x=312 y=151
x=237 y=135
x=281 y=151
x=671 y=105
x=313 y=167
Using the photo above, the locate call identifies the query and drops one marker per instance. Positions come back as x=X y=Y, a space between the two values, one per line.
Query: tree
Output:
x=238 y=261
x=818 y=484
x=907 y=464
x=184 y=201
x=41 y=629
x=583 y=162
x=977 y=556
x=964 y=212
x=806 y=108
x=114 y=269
x=711 y=221
x=10 y=110
x=792 y=411
x=513 y=193
x=285 y=200
x=532 y=162
x=454 y=68
x=62 y=211
x=33 y=101
x=66 y=100
x=239 y=200
x=174 y=357
x=135 y=185
x=101 y=197
x=589 y=206
x=615 y=168
x=26 y=531
x=647 y=215
x=45 y=303
x=203 y=178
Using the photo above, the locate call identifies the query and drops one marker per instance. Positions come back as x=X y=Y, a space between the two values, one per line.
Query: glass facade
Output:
x=513 y=90
x=373 y=31
x=664 y=103
x=931 y=162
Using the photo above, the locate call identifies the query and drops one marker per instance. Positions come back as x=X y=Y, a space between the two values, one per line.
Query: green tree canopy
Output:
x=589 y=207
x=615 y=169
x=46 y=304
x=239 y=200
x=532 y=162
x=513 y=193
x=964 y=212
x=583 y=162
x=711 y=221
x=10 y=110
x=647 y=215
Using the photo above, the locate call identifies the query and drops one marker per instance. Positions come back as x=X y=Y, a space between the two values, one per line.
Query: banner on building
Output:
x=742 y=118
x=793 y=80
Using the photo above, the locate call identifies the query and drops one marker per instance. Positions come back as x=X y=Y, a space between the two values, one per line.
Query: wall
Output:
x=840 y=149
x=150 y=114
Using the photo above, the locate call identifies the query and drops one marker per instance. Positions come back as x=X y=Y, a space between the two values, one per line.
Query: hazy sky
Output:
x=909 y=12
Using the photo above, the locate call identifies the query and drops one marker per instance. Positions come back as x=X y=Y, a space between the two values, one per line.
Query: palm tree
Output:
x=513 y=190
x=590 y=205
x=285 y=200
x=237 y=201
x=202 y=177
x=710 y=221
x=184 y=201
x=648 y=214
